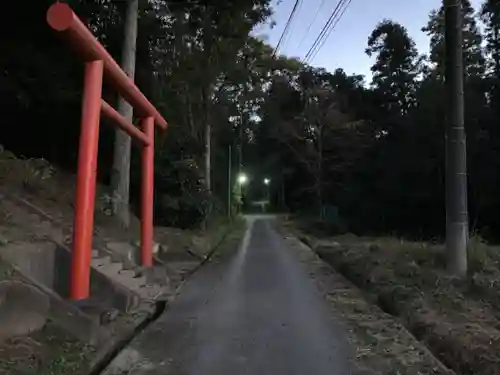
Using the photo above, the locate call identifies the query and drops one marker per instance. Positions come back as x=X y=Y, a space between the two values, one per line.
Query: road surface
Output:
x=258 y=313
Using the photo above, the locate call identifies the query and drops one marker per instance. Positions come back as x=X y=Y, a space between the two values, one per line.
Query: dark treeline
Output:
x=376 y=150
x=373 y=149
x=188 y=55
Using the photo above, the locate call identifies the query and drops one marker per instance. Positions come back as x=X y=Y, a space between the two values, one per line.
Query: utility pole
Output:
x=242 y=114
x=120 y=177
x=457 y=231
x=229 y=184
x=241 y=130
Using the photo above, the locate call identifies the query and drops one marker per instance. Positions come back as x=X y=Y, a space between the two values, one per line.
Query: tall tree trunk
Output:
x=120 y=179
x=456 y=165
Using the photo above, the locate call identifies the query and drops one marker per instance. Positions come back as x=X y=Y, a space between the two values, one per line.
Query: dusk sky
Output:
x=345 y=48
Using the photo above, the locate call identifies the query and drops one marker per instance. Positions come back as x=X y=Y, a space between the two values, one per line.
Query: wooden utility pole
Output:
x=120 y=178
x=457 y=231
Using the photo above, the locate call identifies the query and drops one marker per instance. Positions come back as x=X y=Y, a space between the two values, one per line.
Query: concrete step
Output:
x=64 y=313
x=132 y=283
x=141 y=280
x=110 y=269
x=133 y=279
x=127 y=274
x=99 y=262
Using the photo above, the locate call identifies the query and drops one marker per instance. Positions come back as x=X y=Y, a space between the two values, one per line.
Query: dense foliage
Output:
x=373 y=149
x=188 y=56
x=376 y=150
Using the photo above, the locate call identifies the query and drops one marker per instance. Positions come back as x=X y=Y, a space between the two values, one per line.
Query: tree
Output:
x=472 y=49
x=43 y=84
x=120 y=180
x=396 y=68
x=196 y=73
x=490 y=15
x=301 y=115
x=199 y=66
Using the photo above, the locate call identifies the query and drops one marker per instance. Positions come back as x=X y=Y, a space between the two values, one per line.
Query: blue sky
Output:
x=346 y=45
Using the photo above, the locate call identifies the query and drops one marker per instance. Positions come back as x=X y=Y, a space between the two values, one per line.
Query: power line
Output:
x=289 y=34
x=313 y=56
x=327 y=28
x=288 y=23
x=311 y=23
x=323 y=31
x=285 y=30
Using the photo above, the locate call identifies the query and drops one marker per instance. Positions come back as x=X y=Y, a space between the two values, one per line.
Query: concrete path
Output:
x=259 y=313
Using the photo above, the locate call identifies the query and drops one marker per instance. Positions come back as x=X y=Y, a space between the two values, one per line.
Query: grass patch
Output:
x=382 y=345
x=230 y=240
x=49 y=351
x=457 y=319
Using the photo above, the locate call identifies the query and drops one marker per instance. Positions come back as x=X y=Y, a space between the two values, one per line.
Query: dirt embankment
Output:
x=50 y=192
x=458 y=320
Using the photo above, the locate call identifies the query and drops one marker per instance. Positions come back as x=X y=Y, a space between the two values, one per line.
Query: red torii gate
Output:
x=99 y=63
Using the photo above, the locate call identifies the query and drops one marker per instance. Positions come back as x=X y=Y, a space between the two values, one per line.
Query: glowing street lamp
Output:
x=267 y=181
x=242 y=179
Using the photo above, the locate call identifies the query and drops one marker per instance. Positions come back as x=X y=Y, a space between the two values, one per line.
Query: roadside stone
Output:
x=108 y=317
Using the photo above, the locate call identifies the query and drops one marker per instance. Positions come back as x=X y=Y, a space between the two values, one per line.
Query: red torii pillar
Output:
x=99 y=64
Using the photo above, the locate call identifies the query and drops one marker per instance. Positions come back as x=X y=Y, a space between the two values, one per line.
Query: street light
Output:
x=242 y=179
x=267 y=181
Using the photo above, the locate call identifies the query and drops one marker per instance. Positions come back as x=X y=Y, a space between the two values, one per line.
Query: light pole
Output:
x=267 y=182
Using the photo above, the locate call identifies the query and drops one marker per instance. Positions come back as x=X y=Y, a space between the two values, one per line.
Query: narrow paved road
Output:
x=259 y=313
